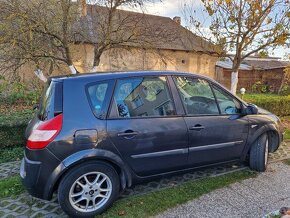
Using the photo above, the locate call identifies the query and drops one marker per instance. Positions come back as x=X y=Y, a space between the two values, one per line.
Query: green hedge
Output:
x=279 y=105
x=12 y=127
x=13 y=124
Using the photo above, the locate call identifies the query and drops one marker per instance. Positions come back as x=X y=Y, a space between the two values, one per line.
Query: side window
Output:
x=196 y=95
x=227 y=103
x=97 y=94
x=142 y=97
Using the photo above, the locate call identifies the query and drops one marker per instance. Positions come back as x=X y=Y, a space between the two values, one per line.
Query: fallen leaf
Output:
x=121 y=212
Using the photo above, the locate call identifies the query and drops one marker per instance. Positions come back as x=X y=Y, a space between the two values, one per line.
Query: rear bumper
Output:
x=29 y=173
x=38 y=177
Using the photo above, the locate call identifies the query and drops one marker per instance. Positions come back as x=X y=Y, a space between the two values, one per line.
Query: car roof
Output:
x=118 y=74
x=123 y=74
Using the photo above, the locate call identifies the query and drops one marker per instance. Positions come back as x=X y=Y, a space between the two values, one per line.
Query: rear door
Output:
x=145 y=128
x=217 y=132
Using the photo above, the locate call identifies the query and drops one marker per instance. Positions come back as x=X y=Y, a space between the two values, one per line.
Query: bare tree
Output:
x=41 y=32
x=36 y=31
x=242 y=27
x=107 y=27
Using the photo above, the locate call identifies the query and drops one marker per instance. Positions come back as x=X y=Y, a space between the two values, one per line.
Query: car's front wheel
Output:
x=88 y=190
x=259 y=153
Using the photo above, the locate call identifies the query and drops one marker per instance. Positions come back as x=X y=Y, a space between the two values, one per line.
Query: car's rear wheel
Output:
x=259 y=153
x=88 y=190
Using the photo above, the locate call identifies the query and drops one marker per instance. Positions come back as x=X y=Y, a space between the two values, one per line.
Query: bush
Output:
x=12 y=127
x=17 y=92
x=279 y=105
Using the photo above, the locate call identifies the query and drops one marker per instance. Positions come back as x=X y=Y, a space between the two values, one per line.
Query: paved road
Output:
x=253 y=197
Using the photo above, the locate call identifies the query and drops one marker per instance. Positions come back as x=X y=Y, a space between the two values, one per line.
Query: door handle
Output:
x=197 y=127
x=128 y=134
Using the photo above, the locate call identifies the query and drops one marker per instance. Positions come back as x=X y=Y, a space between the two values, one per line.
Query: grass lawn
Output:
x=152 y=203
x=287 y=161
x=286 y=123
x=10 y=187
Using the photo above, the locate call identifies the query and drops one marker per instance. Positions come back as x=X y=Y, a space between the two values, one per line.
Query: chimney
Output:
x=177 y=19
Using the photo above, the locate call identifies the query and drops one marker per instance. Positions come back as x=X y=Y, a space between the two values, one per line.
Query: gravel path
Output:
x=253 y=197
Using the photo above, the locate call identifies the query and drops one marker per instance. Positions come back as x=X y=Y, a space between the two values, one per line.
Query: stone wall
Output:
x=145 y=59
x=129 y=59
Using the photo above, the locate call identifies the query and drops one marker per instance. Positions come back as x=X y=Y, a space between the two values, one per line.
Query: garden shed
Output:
x=255 y=74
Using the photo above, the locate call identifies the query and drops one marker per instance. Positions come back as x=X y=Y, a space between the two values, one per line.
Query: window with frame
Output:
x=196 y=95
x=142 y=97
x=97 y=93
x=227 y=103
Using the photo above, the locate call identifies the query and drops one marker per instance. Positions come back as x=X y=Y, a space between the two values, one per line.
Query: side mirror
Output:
x=251 y=109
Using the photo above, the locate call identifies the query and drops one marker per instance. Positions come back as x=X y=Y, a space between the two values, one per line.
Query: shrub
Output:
x=17 y=92
x=12 y=127
x=279 y=105
x=260 y=87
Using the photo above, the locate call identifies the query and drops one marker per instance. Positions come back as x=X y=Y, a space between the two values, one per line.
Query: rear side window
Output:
x=142 y=97
x=51 y=101
x=99 y=97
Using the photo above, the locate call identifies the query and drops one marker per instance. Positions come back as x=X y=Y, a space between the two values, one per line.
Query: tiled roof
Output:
x=149 y=31
x=266 y=64
x=255 y=64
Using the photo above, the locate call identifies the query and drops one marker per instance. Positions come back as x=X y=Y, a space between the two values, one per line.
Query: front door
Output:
x=144 y=127
x=217 y=132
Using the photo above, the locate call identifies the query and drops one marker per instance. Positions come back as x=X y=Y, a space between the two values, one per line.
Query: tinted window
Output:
x=196 y=95
x=142 y=97
x=97 y=93
x=51 y=101
x=227 y=103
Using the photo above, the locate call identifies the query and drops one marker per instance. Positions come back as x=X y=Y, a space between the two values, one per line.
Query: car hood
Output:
x=263 y=111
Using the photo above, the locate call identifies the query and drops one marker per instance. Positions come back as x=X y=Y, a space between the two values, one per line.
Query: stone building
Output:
x=162 y=44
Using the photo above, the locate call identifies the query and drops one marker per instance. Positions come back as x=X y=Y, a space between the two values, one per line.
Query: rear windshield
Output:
x=51 y=101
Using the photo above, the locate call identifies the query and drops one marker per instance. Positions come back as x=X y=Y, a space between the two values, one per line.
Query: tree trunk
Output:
x=38 y=72
x=282 y=83
x=97 y=58
x=234 y=81
x=94 y=69
x=235 y=74
x=72 y=69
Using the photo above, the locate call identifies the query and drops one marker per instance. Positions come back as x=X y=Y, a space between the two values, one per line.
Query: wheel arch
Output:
x=87 y=156
x=273 y=134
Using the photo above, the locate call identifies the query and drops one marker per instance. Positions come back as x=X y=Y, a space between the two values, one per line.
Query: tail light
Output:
x=44 y=133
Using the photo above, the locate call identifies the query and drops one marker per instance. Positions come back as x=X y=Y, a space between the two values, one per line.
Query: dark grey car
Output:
x=96 y=134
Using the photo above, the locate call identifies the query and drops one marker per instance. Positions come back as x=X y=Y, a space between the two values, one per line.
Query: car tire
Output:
x=259 y=153
x=88 y=189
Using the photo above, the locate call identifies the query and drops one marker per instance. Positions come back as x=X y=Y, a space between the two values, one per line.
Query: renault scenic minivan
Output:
x=96 y=134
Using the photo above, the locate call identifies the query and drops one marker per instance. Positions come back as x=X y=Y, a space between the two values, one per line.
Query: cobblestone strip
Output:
x=282 y=153
x=26 y=206
x=9 y=169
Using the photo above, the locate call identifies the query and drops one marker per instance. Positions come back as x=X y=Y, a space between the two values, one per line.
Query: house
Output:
x=254 y=72
x=138 y=41
x=159 y=43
